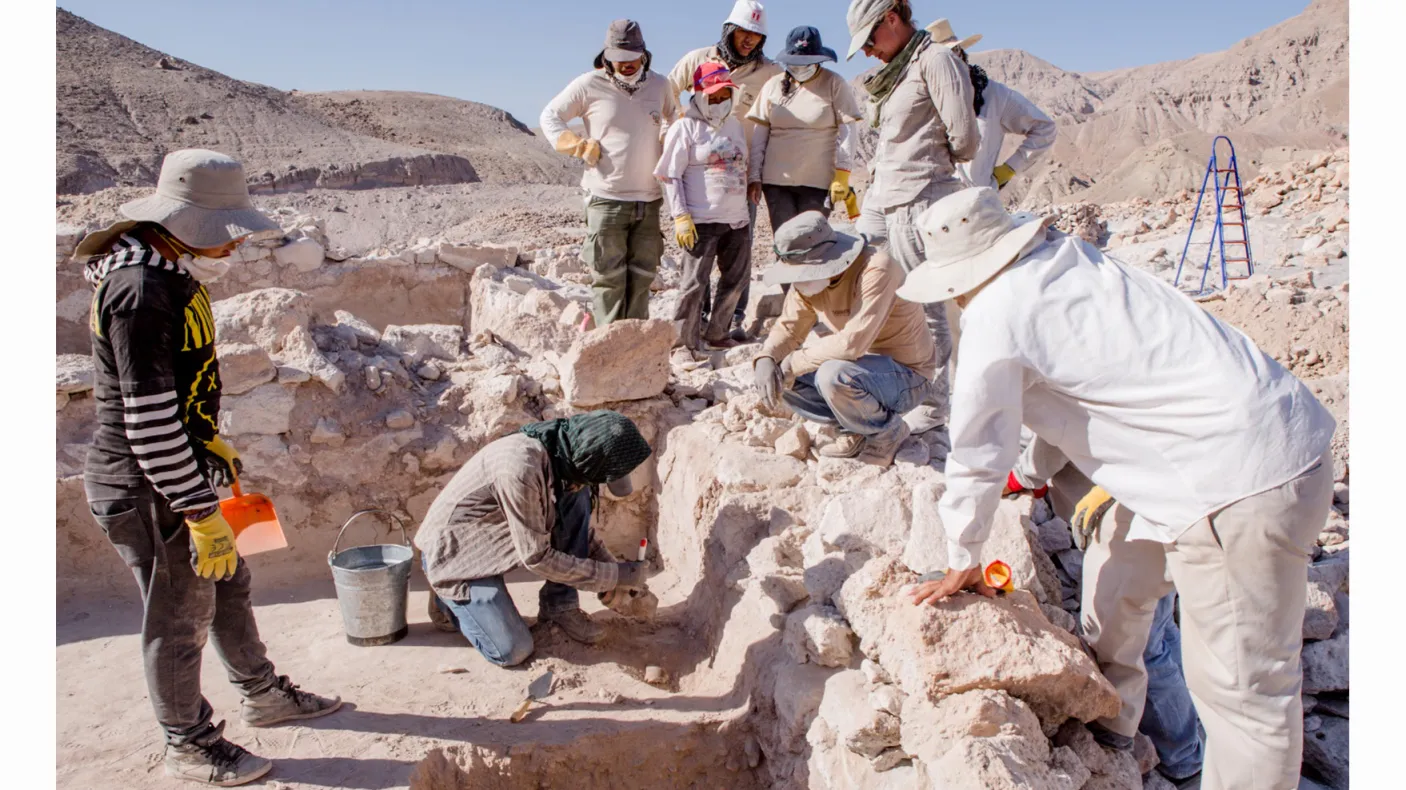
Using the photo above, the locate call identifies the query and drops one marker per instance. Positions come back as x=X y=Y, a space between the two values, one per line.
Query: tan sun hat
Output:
x=969 y=238
x=809 y=249
x=201 y=198
x=941 y=31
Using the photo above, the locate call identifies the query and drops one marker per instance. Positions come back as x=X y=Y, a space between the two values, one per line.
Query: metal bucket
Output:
x=373 y=586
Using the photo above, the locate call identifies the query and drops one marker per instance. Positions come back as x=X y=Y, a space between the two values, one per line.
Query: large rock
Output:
x=798 y=691
x=263 y=317
x=522 y=311
x=303 y=255
x=243 y=366
x=930 y=729
x=73 y=373
x=468 y=257
x=857 y=725
x=1320 y=616
x=423 y=341
x=265 y=410
x=1011 y=540
x=1111 y=769
x=740 y=468
x=627 y=360
x=873 y=521
x=300 y=356
x=1325 y=665
x=1325 y=750
x=968 y=642
x=818 y=634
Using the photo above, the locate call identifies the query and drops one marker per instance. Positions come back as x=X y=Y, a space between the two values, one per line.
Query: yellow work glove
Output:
x=215 y=555
x=839 y=187
x=852 y=204
x=1088 y=515
x=221 y=463
x=587 y=151
x=1003 y=174
x=685 y=232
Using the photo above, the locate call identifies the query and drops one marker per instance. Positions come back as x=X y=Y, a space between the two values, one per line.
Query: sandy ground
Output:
x=399 y=702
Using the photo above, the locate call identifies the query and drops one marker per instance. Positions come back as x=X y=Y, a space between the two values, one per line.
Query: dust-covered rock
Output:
x=627 y=360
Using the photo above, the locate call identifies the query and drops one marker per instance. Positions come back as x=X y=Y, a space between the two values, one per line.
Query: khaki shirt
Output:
x=749 y=79
x=804 y=128
x=496 y=514
x=926 y=126
x=867 y=316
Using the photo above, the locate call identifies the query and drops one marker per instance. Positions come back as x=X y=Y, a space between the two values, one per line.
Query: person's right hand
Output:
x=213 y=541
x=768 y=381
x=630 y=574
x=754 y=192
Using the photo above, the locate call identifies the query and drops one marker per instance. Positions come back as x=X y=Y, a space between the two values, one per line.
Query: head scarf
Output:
x=589 y=449
x=729 y=53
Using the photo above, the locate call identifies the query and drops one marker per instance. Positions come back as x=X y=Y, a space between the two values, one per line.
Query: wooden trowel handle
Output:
x=521 y=711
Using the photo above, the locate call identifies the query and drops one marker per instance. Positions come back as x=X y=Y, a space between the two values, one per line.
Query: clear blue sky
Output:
x=516 y=54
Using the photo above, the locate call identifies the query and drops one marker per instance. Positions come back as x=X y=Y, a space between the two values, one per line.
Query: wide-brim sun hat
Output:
x=201 y=198
x=861 y=18
x=804 y=48
x=969 y=237
x=808 y=248
x=624 y=42
x=941 y=31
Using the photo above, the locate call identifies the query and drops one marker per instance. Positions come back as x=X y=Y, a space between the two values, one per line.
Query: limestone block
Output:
x=73 y=373
x=856 y=724
x=818 y=634
x=930 y=729
x=798 y=692
x=263 y=317
x=1325 y=665
x=1320 y=617
x=795 y=442
x=300 y=352
x=468 y=257
x=869 y=520
x=741 y=468
x=243 y=366
x=303 y=255
x=627 y=360
x=265 y=410
x=422 y=341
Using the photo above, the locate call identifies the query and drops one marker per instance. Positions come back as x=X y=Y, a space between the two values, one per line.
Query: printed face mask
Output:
x=811 y=287
x=803 y=73
x=206 y=270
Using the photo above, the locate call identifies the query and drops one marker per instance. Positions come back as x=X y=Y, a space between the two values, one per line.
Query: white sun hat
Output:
x=748 y=15
x=969 y=237
x=941 y=31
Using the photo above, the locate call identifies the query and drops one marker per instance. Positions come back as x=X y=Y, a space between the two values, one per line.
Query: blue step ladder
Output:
x=1230 y=215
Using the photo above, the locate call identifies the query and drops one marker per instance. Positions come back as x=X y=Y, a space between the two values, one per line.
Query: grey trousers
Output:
x=180 y=609
x=897 y=227
x=731 y=248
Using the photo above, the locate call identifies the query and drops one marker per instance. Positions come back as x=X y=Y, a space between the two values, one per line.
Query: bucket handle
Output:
x=359 y=514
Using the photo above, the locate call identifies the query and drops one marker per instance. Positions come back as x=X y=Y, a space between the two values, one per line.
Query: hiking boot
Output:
x=439 y=618
x=923 y=419
x=847 y=445
x=217 y=762
x=576 y=624
x=285 y=702
x=722 y=345
x=881 y=449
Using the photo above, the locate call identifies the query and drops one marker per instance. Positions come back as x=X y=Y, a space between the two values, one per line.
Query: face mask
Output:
x=803 y=73
x=811 y=287
x=205 y=270
x=714 y=114
x=632 y=79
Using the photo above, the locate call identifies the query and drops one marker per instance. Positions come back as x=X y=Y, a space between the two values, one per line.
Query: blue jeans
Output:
x=490 y=620
x=1169 y=718
x=868 y=396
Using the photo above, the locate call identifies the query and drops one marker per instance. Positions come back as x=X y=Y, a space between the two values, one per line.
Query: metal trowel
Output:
x=537 y=690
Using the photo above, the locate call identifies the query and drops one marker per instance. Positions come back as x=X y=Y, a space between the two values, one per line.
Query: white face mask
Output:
x=803 y=73
x=630 y=80
x=714 y=114
x=811 y=287
x=206 y=270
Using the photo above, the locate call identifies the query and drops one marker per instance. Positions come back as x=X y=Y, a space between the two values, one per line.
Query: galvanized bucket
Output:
x=373 y=586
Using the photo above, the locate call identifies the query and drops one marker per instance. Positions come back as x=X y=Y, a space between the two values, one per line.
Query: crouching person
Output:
x=879 y=361
x=526 y=500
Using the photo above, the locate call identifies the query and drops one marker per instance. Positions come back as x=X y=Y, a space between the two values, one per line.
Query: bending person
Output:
x=525 y=501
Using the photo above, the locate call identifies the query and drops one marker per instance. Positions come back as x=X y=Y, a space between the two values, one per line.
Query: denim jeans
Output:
x=490 y=620
x=1169 y=717
x=868 y=396
x=180 y=610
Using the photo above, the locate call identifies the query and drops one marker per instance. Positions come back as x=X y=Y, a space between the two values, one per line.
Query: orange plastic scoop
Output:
x=254 y=521
x=998 y=575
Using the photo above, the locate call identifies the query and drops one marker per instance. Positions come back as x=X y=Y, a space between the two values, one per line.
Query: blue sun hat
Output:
x=804 y=48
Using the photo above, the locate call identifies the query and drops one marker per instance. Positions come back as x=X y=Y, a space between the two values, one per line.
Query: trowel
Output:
x=537 y=690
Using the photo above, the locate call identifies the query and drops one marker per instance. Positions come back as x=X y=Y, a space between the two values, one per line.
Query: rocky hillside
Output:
x=121 y=106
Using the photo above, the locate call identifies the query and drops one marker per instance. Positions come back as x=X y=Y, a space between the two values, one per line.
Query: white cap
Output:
x=749 y=15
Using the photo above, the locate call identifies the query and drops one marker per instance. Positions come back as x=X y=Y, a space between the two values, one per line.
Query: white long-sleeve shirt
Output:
x=630 y=129
x=1175 y=414
x=1004 y=112
x=704 y=170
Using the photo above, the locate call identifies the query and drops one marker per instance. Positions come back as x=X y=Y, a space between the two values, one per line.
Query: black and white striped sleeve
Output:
x=144 y=342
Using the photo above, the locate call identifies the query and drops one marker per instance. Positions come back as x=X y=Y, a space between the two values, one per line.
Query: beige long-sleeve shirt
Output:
x=925 y=128
x=749 y=78
x=496 y=514
x=868 y=318
x=630 y=129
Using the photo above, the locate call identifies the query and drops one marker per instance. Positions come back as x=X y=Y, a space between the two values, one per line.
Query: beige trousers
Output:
x=1242 y=575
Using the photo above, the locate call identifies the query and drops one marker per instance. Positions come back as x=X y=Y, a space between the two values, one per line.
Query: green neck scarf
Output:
x=881 y=84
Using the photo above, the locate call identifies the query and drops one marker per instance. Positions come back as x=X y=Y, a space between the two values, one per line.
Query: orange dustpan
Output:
x=254 y=521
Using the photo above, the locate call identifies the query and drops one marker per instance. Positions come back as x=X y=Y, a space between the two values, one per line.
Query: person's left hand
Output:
x=954 y=582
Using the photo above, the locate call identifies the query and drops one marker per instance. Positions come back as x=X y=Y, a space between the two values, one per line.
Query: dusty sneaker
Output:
x=576 y=624
x=881 y=448
x=848 y=445
x=285 y=702
x=216 y=762
x=439 y=618
x=924 y=419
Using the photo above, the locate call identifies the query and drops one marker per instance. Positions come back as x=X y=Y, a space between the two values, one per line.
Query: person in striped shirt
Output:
x=157 y=456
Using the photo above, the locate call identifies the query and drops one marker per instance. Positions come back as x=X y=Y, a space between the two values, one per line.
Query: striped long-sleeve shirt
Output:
x=158 y=381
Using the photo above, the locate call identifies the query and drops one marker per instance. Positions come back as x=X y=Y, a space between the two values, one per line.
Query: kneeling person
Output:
x=526 y=500
x=878 y=364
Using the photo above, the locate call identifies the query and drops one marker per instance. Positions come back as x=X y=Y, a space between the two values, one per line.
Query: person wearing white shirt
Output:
x=1220 y=452
x=626 y=109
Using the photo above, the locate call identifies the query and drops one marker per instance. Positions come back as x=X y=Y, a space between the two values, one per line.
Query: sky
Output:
x=517 y=54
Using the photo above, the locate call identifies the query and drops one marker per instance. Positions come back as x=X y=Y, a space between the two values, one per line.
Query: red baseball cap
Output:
x=711 y=77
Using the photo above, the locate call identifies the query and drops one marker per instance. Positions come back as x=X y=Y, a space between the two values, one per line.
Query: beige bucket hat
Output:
x=201 y=198
x=807 y=248
x=969 y=238
x=941 y=31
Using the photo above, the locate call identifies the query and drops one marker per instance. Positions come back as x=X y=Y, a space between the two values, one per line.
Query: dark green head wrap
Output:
x=590 y=449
